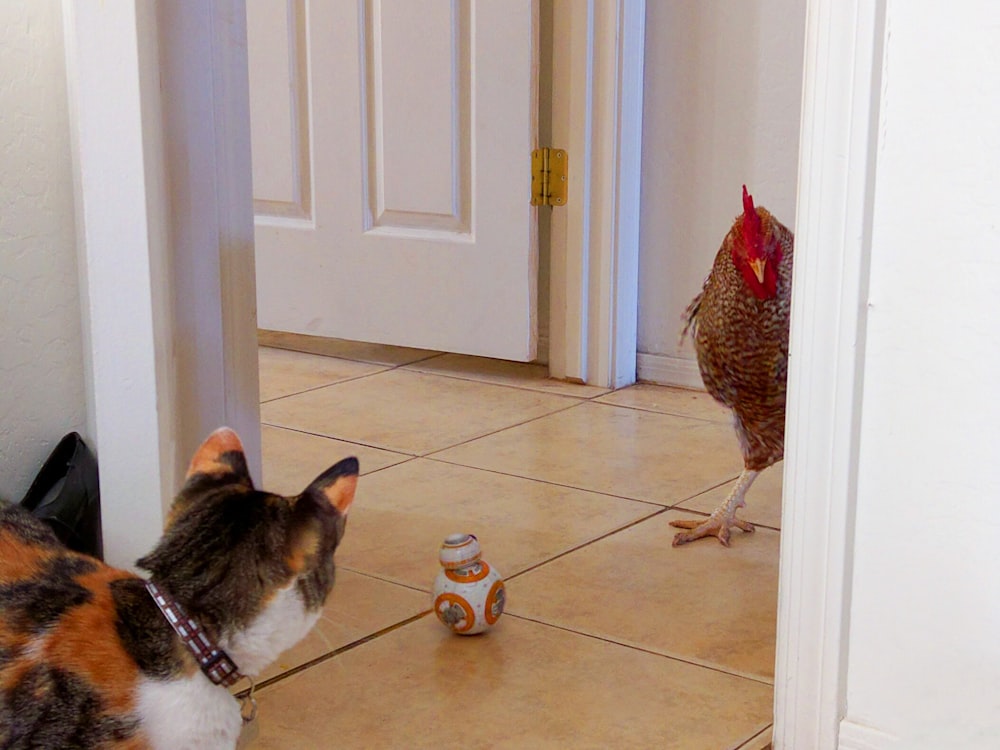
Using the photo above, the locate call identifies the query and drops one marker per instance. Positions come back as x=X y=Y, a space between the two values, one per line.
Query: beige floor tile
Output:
x=626 y=452
x=680 y=401
x=501 y=372
x=523 y=685
x=763 y=499
x=380 y=354
x=760 y=741
x=701 y=602
x=403 y=513
x=293 y=459
x=358 y=606
x=410 y=412
x=283 y=373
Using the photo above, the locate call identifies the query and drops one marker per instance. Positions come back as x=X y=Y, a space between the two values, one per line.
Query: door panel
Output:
x=391 y=143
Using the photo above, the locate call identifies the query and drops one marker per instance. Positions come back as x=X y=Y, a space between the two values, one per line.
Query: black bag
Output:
x=66 y=495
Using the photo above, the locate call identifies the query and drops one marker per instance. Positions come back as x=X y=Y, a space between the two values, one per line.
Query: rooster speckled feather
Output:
x=739 y=323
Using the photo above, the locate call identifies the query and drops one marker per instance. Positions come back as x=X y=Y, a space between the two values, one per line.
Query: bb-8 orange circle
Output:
x=495 y=602
x=444 y=603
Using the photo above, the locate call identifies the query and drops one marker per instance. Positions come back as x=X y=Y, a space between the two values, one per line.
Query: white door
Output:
x=391 y=143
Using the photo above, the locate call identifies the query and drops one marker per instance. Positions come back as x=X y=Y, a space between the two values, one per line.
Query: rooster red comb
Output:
x=751 y=223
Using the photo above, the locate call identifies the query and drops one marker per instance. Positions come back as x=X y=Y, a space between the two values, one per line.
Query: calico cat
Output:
x=89 y=660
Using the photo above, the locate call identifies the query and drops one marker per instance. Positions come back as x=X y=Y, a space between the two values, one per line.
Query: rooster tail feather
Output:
x=690 y=318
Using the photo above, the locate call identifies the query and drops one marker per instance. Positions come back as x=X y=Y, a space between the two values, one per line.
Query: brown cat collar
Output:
x=214 y=661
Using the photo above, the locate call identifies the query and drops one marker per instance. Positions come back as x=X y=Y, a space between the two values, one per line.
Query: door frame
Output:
x=158 y=99
x=838 y=146
x=114 y=91
x=116 y=118
x=597 y=74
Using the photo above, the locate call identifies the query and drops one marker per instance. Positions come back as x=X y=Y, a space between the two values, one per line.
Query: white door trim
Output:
x=158 y=103
x=841 y=90
x=122 y=250
x=597 y=116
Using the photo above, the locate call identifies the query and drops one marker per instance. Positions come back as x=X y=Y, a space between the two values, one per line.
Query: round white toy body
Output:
x=469 y=595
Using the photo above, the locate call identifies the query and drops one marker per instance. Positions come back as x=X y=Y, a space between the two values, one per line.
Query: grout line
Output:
x=341 y=440
x=529 y=420
x=418 y=361
x=411 y=367
x=388 y=365
x=431 y=457
x=660 y=505
x=703 y=514
x=758 y=735
x=664 y=413
x=404 y=365
x=580 y=546
x=533 y=389
x=408 y=459
x=327 y=385
x=576 y=401
x=336 y=652
x=480 y=381
x=385 y=579
x=551 y=483
x=676 y=506
x=651 y=652
x=680 y=506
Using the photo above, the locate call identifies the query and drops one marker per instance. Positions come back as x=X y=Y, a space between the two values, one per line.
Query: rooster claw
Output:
x=717 y=526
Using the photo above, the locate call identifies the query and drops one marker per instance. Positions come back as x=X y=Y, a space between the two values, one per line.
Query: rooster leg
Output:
x=723 y=518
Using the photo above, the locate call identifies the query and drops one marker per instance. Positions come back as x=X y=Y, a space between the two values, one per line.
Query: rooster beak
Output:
x=757 y=264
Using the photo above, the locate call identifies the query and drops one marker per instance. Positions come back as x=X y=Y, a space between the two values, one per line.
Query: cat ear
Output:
x=334 y=487
x=221 y=454
x=337 y=484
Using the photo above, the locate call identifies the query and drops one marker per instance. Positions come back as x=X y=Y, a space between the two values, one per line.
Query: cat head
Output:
x=238 y=558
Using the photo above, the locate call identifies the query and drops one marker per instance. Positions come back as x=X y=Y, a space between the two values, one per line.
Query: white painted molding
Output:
x=122 y=239
x=158 y=102
x=614 y=207
x=666 y=370
x=857 y=737
x=572 y=115
x=204 y=76
x=832 y=246
x=597 y=116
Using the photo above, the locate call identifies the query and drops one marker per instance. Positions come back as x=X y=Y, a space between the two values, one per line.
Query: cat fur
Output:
x=87 y=660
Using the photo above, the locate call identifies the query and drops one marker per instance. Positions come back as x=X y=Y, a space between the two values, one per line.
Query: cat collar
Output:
x=214 y=662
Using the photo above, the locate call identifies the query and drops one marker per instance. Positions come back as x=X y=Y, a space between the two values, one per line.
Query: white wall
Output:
x=721 y=108
x=41 y=361
x=924 y=664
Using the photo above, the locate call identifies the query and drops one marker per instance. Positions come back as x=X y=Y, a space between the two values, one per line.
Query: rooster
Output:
x=739 y=324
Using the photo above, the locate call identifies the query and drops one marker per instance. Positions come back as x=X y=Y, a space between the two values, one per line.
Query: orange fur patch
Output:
x=86 y=642
x=340 y=494
x=206 y=459
x=19 y=560
x=304 y=548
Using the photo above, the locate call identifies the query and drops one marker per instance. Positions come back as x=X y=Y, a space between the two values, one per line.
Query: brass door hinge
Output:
x=549 y=177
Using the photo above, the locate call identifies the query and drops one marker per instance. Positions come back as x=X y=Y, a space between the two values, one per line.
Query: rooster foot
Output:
x=715 y=525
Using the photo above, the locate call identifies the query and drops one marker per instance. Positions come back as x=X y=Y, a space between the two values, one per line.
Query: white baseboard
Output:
x=859 y=737
x=665 y=370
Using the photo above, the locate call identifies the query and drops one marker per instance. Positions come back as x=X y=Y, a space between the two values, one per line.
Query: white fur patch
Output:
x=188 y=714
x=283 y=623
x=192 y=712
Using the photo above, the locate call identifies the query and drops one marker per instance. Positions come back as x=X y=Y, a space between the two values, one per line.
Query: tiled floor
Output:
x=611 y=639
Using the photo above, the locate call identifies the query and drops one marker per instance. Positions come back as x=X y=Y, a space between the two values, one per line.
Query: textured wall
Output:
x=41 y=362
x=721 y=107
